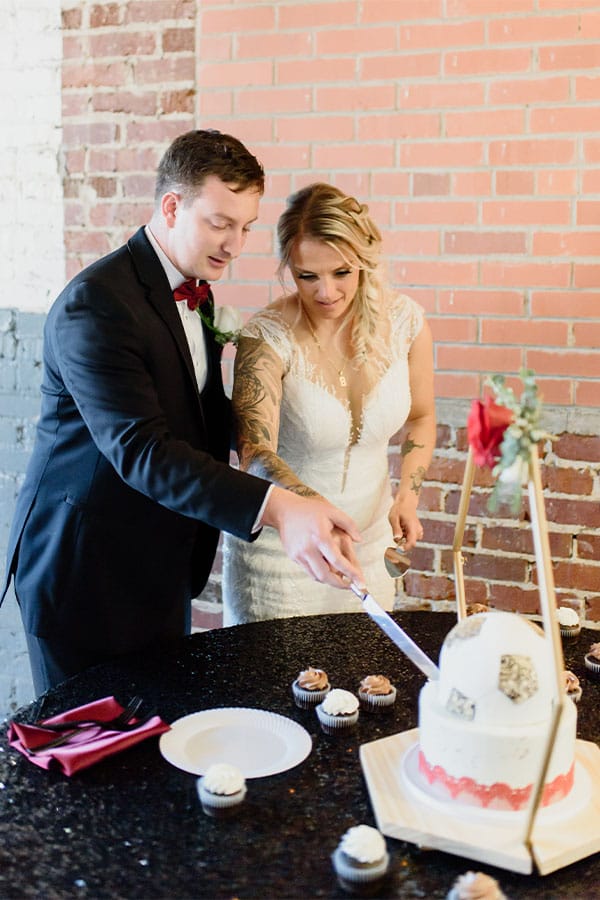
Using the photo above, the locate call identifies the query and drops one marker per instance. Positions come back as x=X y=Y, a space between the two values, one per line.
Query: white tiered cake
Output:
x=484 y=725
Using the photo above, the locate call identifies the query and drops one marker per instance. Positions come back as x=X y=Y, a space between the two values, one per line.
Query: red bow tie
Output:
x=195 y=294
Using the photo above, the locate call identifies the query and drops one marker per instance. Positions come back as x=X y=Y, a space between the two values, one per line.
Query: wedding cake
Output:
x=484 y=725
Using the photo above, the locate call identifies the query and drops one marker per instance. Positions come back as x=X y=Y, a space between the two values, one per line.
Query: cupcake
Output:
x=568 y=621
x=376 y=693
x=310 y=687
x=572 y=686
x=475 y=886
x=361 y=860
x=338 y=711
x=592 y=661
x=474 y=608
x=221 y=790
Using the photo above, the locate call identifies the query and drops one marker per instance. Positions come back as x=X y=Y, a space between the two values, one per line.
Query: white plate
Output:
x=257 y=741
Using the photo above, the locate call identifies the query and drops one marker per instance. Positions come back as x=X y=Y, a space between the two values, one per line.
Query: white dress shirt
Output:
x=191 y=321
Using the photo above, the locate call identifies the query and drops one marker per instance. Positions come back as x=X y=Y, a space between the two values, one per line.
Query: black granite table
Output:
x=132 y=826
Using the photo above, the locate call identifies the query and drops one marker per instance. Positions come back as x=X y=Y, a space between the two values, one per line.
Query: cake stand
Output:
x=547 y=837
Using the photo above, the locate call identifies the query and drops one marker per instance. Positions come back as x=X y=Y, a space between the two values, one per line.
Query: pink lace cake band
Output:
x=496 y=796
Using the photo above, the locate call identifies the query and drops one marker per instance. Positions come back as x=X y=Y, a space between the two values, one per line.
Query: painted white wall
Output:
x=32 y=256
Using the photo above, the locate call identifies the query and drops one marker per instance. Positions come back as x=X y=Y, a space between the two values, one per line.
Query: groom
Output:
x=116 y=525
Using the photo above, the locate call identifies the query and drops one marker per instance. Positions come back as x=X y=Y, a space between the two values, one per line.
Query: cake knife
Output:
x=396 y=634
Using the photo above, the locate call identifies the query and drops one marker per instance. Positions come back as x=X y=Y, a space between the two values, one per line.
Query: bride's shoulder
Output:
x=272 y=324
x=406 y=313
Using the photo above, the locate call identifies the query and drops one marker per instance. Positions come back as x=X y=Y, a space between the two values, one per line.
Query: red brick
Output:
x=566 y=480
x=122 y=44
x=449 y=385
x=399 y=125
x=481 y=302
x=148 y=11
x=424 y=212
x=588 y=546
x=531 y=274
x=104 y=187
x=527 y=91
x=453 y=330
x=409 y=65
x=239 y=19
x=354 y=97
x=430 y=183
x=273 y=45
x=487 y=62
x=579 y=576
x=71 y=18
x=560 y=243
x=143 y=104
x=106 y=14
x=586 y=394
x=576 y=56
x=571 y=304
x=515 y=181
x=176 y=40
x=177 y=101
x=537 y=333
x=311 y=71
x=437 y=95
x=513 y=598
x=429 y=587
x=579 y=447
x=536 y=151
x=484 y=242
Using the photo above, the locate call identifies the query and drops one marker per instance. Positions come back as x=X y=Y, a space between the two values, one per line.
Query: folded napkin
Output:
x=86 y=747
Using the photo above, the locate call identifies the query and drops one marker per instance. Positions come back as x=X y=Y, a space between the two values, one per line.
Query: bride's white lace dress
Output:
x=343 y=459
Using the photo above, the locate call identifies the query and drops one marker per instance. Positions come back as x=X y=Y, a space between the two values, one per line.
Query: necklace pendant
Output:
x=342 y=379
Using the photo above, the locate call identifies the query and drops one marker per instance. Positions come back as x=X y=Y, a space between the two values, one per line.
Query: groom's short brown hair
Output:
x=195 y=155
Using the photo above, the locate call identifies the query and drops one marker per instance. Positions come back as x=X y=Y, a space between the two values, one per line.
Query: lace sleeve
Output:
x=268 y=325
x=408 y=317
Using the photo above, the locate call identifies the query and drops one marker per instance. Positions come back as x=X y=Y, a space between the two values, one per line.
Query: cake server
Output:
x=396 y=634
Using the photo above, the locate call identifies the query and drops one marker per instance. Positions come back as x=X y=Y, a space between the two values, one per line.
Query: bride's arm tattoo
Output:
x=416 y=479
x=256 y=401
x=408 y=444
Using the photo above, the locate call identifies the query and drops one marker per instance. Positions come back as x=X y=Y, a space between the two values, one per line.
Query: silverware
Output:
x=396 y=563
x=123 y=718
x=119 y=723
x=396 y=634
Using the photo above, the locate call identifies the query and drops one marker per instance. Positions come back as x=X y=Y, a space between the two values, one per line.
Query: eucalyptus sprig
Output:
x=512 y=468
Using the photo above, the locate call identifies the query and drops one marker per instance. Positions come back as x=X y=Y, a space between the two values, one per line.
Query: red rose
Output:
x=486 y=425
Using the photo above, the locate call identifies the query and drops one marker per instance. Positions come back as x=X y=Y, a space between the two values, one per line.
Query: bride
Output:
x=324 y=377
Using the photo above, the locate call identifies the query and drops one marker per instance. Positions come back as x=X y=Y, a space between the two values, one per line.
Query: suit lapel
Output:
x=158 y=293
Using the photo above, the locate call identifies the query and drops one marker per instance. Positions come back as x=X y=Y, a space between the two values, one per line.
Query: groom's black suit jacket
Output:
x=117 y=522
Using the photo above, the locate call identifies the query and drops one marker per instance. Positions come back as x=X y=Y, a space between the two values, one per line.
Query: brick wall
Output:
x=470 y=127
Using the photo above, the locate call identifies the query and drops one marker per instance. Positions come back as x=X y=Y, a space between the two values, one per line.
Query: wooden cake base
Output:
x=405 y=809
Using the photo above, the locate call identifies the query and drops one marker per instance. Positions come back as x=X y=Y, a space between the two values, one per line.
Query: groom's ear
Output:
x=169 y=205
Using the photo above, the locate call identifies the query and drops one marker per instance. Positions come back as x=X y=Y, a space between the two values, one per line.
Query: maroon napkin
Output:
x=87 y=747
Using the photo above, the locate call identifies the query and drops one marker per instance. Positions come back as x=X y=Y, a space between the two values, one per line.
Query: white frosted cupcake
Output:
x=568 y=622
x=338 y=711
x=221 y=789
x=361 y=860
x=475 y=886
x=592 y=661
x=376 y=693
x=310 y=687
x=572 y=686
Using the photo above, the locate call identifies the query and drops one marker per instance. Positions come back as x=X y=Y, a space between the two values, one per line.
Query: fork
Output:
x=118 y=723
x=122 y=719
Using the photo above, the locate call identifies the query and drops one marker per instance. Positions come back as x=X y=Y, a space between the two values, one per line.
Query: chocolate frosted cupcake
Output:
x=338 y=711
x=572 y=686
x=221 y=790
x=310 y=687
x=568 y=622
x=592 y=661
x=361 y=860
x=376 y=693
x=475 y=886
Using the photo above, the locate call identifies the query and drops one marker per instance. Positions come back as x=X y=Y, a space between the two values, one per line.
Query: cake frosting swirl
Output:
x=363 y=843
x=376 y=684
x=313 y=679
x=475 y=886
x=339 y=703
x=222 y=778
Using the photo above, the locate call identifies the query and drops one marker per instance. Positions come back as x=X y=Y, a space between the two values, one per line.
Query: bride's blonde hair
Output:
x=326 y=213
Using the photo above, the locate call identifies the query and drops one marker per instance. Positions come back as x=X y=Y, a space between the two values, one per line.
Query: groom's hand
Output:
x=316 y=535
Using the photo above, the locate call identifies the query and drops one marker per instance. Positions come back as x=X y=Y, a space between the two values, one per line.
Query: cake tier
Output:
x=494 y=766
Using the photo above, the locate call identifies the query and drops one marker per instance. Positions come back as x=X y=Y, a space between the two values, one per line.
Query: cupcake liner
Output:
x=569 y=631
x=305 y=699
x=219 y=804
x=377 y=702
x=592 y=665
x=335 y=724
x=358 y=873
